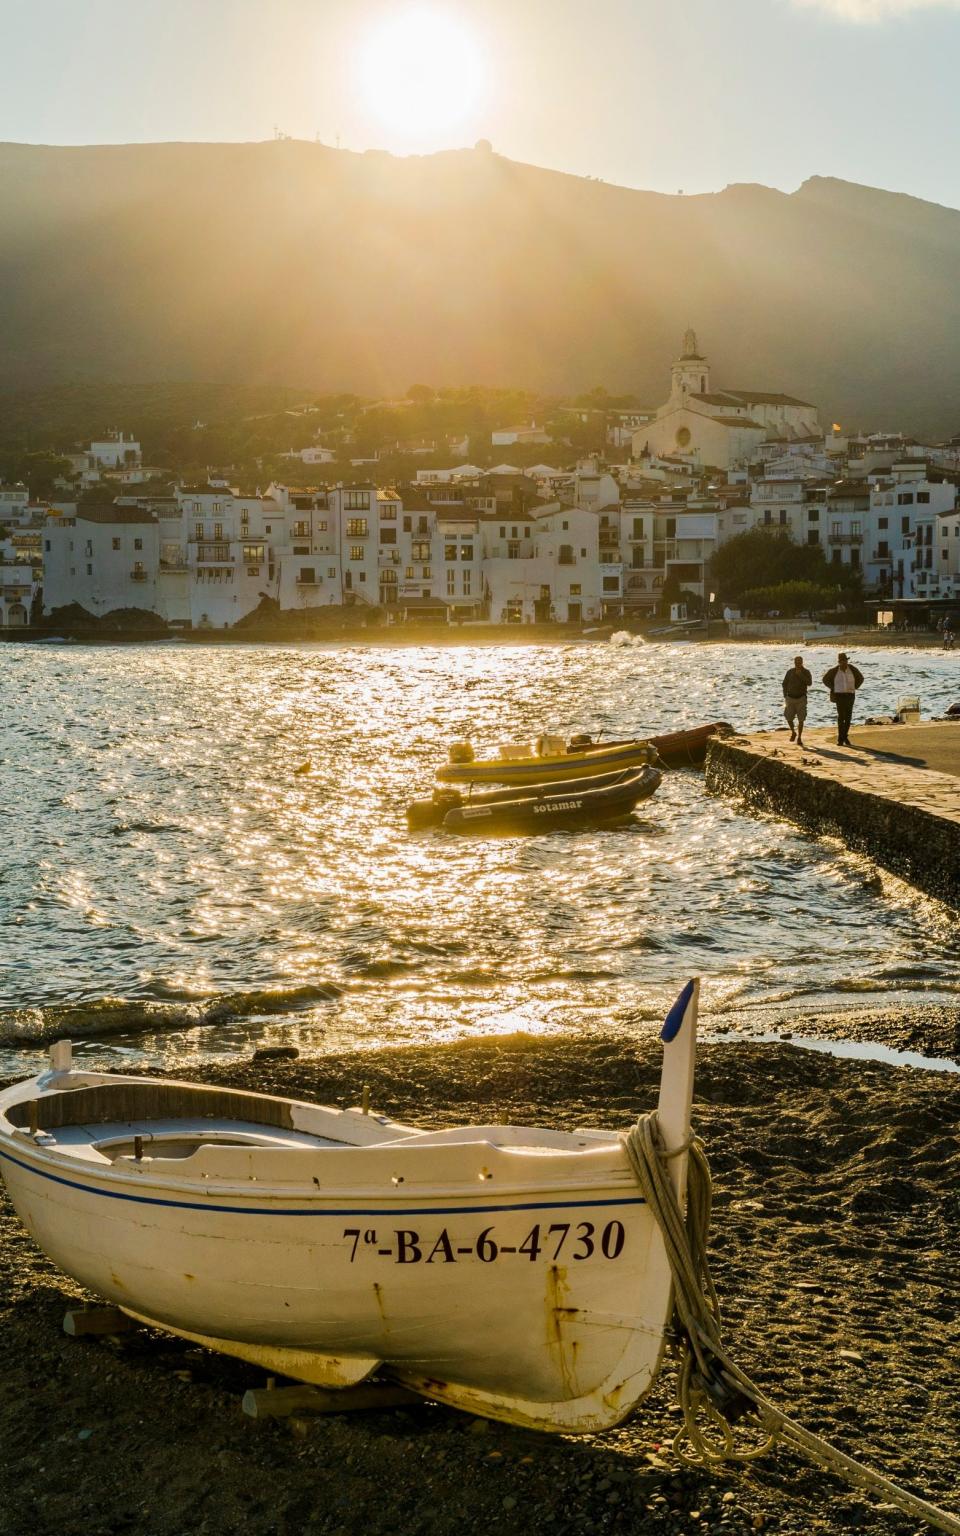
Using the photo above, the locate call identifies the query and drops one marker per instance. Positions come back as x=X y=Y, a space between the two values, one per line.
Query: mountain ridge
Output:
x=293 y=262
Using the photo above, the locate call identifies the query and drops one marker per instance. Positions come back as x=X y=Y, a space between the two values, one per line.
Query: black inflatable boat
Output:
x=430 y=813
x=555 y=807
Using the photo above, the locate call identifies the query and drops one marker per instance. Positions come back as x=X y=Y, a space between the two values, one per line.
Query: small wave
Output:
x=105 y=1016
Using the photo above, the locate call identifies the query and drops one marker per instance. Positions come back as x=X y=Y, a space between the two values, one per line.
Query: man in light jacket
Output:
x=843 y=680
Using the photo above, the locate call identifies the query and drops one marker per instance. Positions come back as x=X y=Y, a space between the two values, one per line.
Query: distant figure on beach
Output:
x=795 y=686
x=843 y=680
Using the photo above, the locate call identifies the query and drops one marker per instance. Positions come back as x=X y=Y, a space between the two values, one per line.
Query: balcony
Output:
x=609 y=538
x=881 y=554
x=845 y=538
x=138 y=576
x=214 y=554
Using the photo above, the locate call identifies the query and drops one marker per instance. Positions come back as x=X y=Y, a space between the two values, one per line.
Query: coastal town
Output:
x=626 y=533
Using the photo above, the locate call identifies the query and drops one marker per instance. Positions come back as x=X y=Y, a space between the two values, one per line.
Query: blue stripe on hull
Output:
x=366 y=1210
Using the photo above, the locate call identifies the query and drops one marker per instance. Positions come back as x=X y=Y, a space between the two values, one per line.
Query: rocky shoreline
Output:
x=835 y=1250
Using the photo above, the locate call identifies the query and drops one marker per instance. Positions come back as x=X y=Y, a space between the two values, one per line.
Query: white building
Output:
x=899 y=502
x=104 y=557
x=723 y=427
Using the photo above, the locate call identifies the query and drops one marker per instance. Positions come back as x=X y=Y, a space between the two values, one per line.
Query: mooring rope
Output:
x=713 y=1392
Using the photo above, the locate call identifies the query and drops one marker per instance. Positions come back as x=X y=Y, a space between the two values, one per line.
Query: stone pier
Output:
x=893 y=795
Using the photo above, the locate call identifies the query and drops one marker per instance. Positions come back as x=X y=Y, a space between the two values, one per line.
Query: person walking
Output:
x=843 y=680
x=795 y=686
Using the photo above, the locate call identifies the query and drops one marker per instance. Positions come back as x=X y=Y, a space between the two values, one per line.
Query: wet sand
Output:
x=835 y=1249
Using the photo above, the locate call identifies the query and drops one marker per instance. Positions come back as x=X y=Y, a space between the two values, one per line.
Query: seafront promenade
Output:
x=894 y=794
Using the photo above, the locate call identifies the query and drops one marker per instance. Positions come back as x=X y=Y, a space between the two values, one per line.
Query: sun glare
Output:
x=421 y=73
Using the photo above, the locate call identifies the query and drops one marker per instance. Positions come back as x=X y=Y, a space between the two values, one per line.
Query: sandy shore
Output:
x=835 y=1246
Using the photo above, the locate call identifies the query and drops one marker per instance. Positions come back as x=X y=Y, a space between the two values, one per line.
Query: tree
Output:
x=765 y=558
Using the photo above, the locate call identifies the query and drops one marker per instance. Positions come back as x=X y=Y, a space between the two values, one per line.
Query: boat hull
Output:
x=430 y=813
x=556 y=808
x=549 y=770
x=570 y=1294
x=688 y=749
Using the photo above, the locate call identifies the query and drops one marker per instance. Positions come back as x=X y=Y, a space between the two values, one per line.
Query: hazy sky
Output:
x=664 y=94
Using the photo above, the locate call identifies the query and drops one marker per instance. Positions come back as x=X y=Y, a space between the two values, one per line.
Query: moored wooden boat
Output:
x=684 y=749
x=548 y=761
x=557 y=806
x=430 y=813
x=510 y=1271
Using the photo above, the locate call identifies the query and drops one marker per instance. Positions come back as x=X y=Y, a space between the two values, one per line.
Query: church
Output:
x=722 y=428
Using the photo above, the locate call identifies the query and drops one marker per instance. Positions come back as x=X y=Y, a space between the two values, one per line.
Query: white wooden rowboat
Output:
x=510 y=1271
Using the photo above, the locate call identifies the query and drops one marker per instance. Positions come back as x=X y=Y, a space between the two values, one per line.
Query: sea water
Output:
x=205 y=847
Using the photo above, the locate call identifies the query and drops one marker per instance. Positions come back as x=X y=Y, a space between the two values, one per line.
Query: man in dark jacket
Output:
x=843 y=680
x=795 y=686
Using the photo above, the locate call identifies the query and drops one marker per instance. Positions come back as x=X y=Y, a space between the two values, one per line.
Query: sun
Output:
x=421 y=73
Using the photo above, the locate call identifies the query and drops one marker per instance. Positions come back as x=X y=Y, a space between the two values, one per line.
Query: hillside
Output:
x=298 y=264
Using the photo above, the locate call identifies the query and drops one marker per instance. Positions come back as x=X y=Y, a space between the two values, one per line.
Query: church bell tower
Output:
x=691 y=371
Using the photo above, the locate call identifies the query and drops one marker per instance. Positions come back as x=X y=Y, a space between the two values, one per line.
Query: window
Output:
x=855 y=529
x=565 y=555
x=465 y=581
x=526 y=533
x=450 y=552
x=513 y=549
x=321 y=527
x=307 y=576
x=420 y=551
x=813 y=536
x=363 y=575
x=425 y=574
x=46 y=545
x=331 y=571
x=255 y=553
x=218 y=530
x=422 y=525
x=835 y=530
x=114 y=543
x=575 y=589
x=301 y=549
x=813 y=515
x=466 y=551
x=451 y=583
x=503 y=532
x=854 y=557
x=565 y=527
x=882 y=550
x=89 y=570
x=882 y=522
x=514 y=534
x=137 y=543
x=356 y=501
x=253 y=570
x=836 y=556
x=638 y=528
x=923 y=496
x=611 y=583
x=357 y=528
x=388 y=512
x=88 y=547
x=388 y=535
x=905 y=499
x=301 y=530
x=268 y=527
x=356 y=551
x=198 y=530
x=408 y=525
x=904 y=525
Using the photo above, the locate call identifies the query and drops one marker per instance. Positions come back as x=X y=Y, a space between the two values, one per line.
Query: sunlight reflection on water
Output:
x=161 y=846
